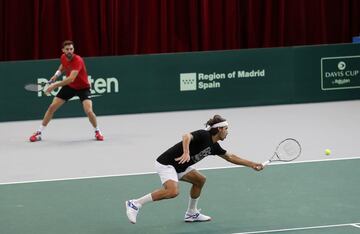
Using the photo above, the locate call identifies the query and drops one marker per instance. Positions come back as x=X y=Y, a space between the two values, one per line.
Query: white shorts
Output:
x=168 y=172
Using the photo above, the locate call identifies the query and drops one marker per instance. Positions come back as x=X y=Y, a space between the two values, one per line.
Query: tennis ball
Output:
x=327 y=152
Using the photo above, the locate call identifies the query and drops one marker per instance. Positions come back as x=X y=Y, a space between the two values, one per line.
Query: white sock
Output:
x=97 y=129
x=143 y=200
x=41 y=128
x=192 y=205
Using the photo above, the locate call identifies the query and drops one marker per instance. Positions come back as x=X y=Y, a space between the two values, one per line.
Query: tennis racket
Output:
x=287 y=150
x=38 y=87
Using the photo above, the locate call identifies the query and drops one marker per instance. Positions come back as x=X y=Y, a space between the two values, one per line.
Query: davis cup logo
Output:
x=340 y=72
x=341 y=65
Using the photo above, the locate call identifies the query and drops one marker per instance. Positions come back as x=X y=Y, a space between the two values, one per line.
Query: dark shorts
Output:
x=66 y=93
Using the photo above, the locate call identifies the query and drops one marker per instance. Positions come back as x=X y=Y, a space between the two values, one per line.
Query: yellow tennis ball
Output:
x=327 y=152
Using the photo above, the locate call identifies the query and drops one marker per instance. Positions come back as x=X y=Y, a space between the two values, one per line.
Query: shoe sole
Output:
x=35 y=140
x=196 y=221
x=127 y=214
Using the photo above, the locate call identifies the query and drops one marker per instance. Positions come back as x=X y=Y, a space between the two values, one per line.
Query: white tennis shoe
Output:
x=196 y=217
x=132 y=211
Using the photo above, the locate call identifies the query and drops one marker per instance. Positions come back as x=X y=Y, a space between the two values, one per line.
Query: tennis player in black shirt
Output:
x=176 y=164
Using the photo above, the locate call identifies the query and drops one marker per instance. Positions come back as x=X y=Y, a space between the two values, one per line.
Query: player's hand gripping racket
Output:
x=38 y=87
x=288 y=150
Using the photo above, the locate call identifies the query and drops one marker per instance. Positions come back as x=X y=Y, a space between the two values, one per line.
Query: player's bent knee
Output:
x=171 y=193
x=200 y=181
x=203 y=180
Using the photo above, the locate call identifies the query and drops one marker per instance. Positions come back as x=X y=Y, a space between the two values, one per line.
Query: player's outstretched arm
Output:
x=241 y=161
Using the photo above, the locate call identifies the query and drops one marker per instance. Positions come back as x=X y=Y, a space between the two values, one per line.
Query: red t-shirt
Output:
x=76 y=63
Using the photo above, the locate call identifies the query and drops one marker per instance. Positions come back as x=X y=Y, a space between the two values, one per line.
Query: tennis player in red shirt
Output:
x=75 y=84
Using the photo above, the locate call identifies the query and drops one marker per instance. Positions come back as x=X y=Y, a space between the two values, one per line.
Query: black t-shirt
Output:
x=201 y=146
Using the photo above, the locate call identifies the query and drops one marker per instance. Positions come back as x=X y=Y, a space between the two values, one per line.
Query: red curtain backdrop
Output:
x=34 y=29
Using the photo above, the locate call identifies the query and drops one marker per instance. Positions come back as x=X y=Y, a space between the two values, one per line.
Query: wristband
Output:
x=57 y=73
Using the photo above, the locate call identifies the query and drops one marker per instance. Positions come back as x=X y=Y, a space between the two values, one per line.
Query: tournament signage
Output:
x=188 y=81
x=203 y=81
x=340 y=72
x=99 y=86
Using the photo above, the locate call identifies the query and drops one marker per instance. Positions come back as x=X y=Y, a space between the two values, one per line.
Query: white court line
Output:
x=152 y=172
x=284 y=163
x=301 y=228
x=356 y=225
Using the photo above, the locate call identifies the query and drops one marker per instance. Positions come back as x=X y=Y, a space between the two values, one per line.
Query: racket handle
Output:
x=266 y=163
x=47 y=86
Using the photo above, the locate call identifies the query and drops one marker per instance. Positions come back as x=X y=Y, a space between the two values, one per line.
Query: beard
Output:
x=69 y=56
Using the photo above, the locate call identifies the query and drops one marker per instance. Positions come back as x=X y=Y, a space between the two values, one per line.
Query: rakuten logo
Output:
x=99 y=86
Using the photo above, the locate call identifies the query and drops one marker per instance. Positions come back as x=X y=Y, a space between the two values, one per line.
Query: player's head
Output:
x=217 y=125
x=68 y=48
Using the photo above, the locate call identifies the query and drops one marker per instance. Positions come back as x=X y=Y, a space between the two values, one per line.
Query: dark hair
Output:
x=67 y=42
x=214 y=120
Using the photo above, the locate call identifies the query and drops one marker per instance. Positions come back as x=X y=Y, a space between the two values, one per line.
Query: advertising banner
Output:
x=187 y=81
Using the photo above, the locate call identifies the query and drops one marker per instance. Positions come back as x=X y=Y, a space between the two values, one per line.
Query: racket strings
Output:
x=32 y=87
x=288 y=150
x=37 y=87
